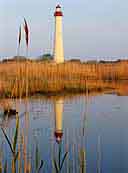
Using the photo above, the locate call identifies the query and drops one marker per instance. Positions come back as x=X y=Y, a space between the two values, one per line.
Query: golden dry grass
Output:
x=44 y=77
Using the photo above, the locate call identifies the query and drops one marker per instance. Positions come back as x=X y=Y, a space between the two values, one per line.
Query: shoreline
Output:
x=120 y=90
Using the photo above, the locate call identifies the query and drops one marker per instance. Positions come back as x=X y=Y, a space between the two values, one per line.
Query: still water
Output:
x=96 y=126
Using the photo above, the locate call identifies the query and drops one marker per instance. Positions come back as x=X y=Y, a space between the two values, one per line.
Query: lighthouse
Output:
x=58 y=107
x=58 y=36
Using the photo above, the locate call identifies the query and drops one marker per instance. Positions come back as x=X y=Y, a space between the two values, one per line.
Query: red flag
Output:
x=19 y=35
x=26 y=31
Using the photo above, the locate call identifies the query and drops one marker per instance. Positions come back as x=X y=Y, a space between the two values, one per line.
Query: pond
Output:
x=92 y=129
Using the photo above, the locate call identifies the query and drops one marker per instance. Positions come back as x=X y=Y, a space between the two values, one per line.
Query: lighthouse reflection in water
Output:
x=58 y=108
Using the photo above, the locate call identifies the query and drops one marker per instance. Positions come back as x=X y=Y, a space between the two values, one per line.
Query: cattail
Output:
x=19 y=36
x=26 y=31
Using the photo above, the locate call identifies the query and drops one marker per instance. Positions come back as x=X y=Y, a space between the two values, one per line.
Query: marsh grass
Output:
x=99 y=155
x=19 y=78
x=58 y=163
x=5 y=167
x=0 y=167
x=38 y=162
x=12 y=146
x=16 y=154
x=82 y=161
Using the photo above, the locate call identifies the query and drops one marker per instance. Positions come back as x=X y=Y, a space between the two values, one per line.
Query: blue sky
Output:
x=92 y=28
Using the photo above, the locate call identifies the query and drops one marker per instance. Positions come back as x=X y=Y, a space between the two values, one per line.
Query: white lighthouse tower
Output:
x=58 y=38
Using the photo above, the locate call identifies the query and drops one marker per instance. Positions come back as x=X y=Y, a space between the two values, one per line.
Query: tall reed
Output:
x=12 y=146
